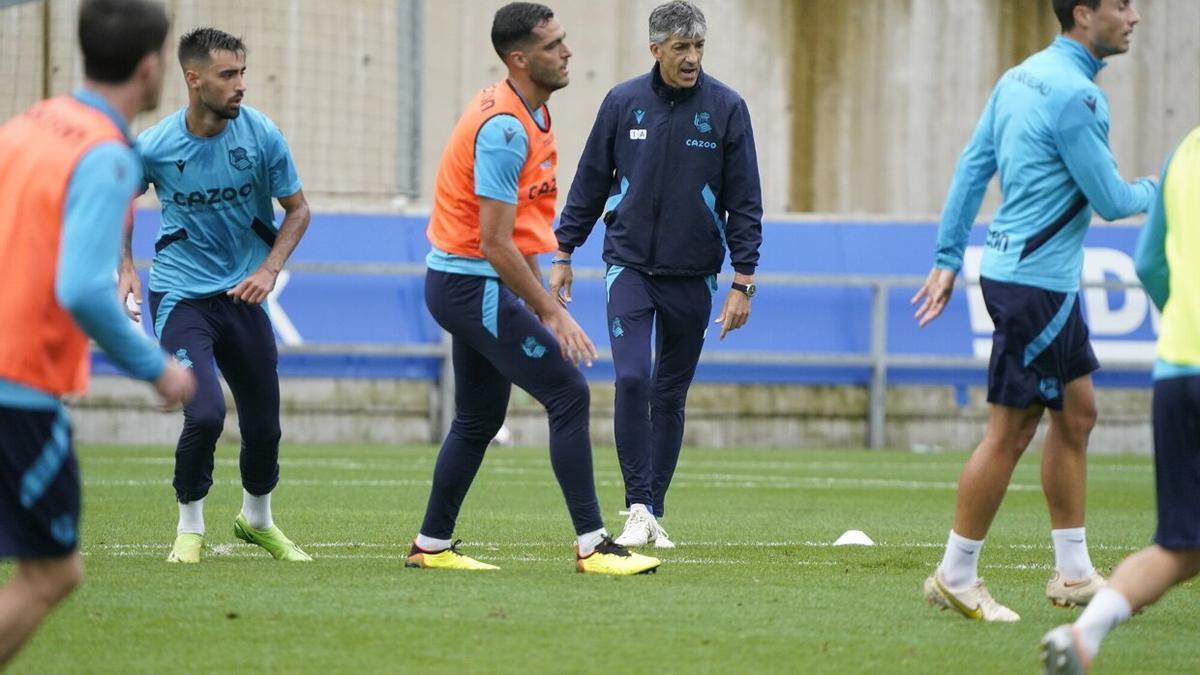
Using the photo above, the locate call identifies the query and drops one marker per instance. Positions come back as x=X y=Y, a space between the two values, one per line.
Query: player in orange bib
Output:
x=68 y=176
x=492 y=215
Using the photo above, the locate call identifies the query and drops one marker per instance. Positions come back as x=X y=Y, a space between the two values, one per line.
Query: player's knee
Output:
x=1083 y=420
x=572 y=399
x=633 y=384
x=478 y=427
x=52 y=580
x=263 y=436
x=670 y=400
x=208 y=421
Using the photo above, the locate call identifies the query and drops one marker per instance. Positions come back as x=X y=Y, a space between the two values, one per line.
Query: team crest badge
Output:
x=240 y=159
x=701 y=120
x=1050 y=388
x=532 y=348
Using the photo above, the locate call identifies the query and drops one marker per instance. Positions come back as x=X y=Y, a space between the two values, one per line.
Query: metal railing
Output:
x=877 y=358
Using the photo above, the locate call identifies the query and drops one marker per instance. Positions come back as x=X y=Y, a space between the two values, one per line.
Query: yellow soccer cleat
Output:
x=187 y=548
x=272 y=539
x=613 y=559
x=445 y=559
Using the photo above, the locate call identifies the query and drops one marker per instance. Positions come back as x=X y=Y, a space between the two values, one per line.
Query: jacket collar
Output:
x=670 y=94
x=1079 y=55
x=90 y=98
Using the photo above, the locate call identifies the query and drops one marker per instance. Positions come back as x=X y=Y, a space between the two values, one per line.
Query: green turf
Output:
x=753 y=587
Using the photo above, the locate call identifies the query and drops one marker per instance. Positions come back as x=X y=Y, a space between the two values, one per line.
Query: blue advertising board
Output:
x=310 y=308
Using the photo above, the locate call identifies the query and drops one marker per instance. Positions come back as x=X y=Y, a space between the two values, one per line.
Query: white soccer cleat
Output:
x=639 y=527
x=1061 y=654
x=1076 y=593
x=973 y=602
x=659 y=536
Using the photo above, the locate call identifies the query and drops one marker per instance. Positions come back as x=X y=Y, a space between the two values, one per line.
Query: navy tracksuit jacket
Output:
x=675 y=175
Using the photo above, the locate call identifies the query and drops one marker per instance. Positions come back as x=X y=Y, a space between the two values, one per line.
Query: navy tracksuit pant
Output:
x=214 y=333
x=498 y=342
x=648 y=416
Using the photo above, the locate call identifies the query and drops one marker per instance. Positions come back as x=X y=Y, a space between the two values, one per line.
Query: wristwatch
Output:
x=749 y=289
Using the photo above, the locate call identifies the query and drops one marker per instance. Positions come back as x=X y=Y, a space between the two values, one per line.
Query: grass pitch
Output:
x=755 y=585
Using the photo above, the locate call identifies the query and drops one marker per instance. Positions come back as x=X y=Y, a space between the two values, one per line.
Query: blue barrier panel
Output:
x=335 y=308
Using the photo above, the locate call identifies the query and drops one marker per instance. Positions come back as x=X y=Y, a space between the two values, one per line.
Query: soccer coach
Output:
x=670 y=165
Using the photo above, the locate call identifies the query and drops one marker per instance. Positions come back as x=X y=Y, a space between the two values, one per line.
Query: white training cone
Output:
x=854 y=538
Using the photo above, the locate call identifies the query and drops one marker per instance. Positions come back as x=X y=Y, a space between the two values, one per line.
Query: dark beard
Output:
x=224 y=113
x=547 y=81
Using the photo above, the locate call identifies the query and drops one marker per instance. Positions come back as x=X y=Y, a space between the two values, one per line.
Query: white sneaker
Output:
x=1061 y=653
x=973 y=602
x=1063 y=593
x=639 y=528
x=659 y=536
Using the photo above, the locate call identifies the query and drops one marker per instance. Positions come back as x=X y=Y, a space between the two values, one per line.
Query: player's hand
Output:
x=576 y=346
x=175 y=386
x=561 y=277
x=933 y=296
x=255 y=288
x=734 y=313
x=129 y=284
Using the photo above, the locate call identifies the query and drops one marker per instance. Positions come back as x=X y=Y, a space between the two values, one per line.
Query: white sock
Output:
x=1105 y=612
x=257 y=509
x=430 y=544
x=1071 y=554
x=191 y=517
x=588 y=541
x=960 y=564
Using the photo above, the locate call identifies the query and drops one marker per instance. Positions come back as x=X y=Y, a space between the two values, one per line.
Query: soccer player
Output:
x=1045 y=129
x=67 y=176
x=671 y=165
x=1167 y=255
x=492 y=213
x=216 y=165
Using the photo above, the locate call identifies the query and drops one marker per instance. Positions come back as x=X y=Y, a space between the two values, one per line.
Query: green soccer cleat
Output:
x=187 y=548
x=272 y=539
x=445 y=559
x=614 y=559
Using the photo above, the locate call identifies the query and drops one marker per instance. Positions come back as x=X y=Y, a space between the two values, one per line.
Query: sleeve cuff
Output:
x=745 y=269
x=947 y=263
x=154 y=372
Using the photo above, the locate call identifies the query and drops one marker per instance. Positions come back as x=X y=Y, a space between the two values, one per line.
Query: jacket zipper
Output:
x=662 y=184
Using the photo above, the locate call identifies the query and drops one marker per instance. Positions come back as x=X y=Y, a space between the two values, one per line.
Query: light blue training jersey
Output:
x=501 y=150
x=1045 y=129
x=218 y=219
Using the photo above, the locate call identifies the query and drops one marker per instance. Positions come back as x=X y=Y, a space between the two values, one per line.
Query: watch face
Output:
x=751 y=289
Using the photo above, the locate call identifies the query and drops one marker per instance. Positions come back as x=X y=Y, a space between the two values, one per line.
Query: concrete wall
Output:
x=329 y=74
x=923 y=419
x=859 y=106
x=887 y=93
x=745 y=49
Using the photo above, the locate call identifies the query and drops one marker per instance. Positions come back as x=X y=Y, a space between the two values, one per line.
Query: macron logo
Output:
x=179 y=164
x=1090 y=102
x=508 y=135
x=638 y=115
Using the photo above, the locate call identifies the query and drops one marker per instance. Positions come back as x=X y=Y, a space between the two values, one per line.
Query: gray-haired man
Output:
x=671 y=166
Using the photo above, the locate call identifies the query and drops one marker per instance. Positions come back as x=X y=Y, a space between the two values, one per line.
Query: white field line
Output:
x=712 y=481
x=248 y=552
x=402 y=546
x=514 y=465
